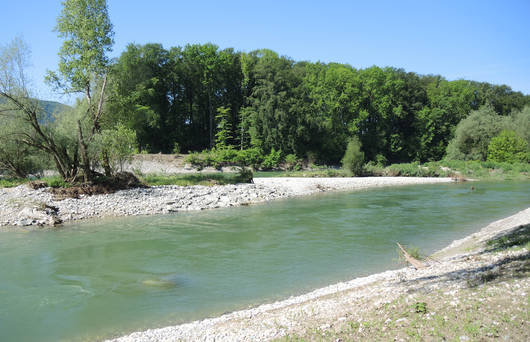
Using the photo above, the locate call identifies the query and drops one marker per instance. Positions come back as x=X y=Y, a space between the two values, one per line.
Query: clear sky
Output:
x=482 y=40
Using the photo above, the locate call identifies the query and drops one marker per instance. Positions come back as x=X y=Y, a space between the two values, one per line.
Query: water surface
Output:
x=105 y=278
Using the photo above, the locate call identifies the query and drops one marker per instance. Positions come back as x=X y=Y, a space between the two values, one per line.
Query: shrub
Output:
x=196 y=160
x=119 y=144
x=292 y=162
x=381 y=160
x=353 y=157
x=223 y=157
x=474 y=133
x=272 y=160
x=508 y=147
x=245 y=175
x=176 y=148
x=250 y=157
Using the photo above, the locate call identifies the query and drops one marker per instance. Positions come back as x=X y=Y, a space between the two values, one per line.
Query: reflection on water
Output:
x=109 y=277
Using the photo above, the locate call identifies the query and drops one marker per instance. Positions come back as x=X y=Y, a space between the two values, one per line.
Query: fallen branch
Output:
x=413 y=261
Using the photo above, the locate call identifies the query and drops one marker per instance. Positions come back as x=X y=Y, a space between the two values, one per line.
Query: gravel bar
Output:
x=22 y=206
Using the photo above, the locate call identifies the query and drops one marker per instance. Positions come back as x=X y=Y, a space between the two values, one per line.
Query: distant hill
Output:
x=49 y=107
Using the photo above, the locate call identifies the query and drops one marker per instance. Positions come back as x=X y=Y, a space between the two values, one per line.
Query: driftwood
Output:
x=413 y=261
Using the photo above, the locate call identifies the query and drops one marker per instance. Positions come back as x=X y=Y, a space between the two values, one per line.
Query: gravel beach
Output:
x=327 y=307
x=22 y=206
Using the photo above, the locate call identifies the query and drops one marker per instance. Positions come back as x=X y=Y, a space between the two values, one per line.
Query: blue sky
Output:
x=480 y=40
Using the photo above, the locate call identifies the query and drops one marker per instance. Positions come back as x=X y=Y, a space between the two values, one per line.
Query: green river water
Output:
x=103 y=278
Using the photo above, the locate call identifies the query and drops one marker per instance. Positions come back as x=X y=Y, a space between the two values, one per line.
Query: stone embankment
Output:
x=22 y=206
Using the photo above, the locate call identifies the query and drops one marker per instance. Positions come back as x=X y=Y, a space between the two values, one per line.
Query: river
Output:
x=104 y=278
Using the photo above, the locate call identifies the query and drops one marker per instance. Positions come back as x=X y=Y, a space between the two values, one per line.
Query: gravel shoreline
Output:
x=22 y=206
x=336 y=303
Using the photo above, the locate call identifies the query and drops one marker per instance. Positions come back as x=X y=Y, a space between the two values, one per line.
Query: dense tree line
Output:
x=172 y=98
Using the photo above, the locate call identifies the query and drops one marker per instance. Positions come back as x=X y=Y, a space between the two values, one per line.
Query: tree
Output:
x=83 y=66
x=119 y=144
x=224 y=128
x=16 y=158
x=473 y=134
x=508 y=147
x=353 y=159
x=23 y=114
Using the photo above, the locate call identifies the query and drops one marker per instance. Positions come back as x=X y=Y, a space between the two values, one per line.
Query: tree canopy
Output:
x=301 y=108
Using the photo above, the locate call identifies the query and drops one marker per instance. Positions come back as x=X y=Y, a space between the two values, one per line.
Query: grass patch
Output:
x=12 y=182
x=322 y=171
x=445 y=168
x=207 y=179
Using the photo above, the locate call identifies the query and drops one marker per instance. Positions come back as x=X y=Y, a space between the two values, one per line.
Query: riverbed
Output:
x=109 y=277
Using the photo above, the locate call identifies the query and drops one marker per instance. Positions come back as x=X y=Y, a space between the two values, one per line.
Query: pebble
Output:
x=22 y=206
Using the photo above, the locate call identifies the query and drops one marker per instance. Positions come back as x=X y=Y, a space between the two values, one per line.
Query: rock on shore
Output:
x=22 y=206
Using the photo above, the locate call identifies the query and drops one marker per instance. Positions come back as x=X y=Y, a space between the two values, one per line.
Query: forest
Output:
x=229 y=107
x=182 y=96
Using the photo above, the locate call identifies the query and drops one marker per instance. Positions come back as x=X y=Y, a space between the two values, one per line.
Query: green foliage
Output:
x=117 y=144
x=176 y=148
x=191 y=179
x=227 y=156
x=16 y=158
x=521 y=123
x=252 y=157
x=224 y=128
x=245 y=175
x=319 y=172
x=420 y=307
x=292 y=162
x=55 y=182
x=353 y=159
x=272 y=160
x=473 y=134
x=12 y=182
x=30 y=141
x=508 y=147
x=306 y=109
x=87 y=30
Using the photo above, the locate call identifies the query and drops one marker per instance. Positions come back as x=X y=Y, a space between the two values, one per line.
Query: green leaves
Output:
x=87 y=32
x=508 y=147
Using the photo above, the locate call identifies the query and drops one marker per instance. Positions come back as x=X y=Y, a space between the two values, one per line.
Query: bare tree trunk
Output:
x=106 y=164
x=87 y=176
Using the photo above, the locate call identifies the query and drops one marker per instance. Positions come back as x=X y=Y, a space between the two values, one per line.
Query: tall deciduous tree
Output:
x=22 y=116
x=87 y=32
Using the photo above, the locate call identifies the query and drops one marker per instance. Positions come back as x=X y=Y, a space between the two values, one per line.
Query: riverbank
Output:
x=22 y=206
x=476 y=288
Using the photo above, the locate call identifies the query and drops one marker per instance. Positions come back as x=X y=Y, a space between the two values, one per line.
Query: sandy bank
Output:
x=22 y=206
x=325 y=307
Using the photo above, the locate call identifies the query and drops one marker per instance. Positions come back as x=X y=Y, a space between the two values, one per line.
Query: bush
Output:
x=508 y=147
x=196 y=160
x=272 y=160
x=250 y=157
x=353 y=157
x=224 y=157
x=474 y=133
x=292 y=162
x=245 y=175
x=119 y=144
x=176 y=148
